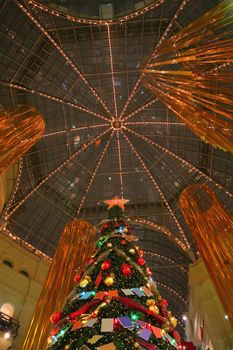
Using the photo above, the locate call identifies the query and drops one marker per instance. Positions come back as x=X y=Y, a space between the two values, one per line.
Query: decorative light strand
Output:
x=130 y=96
x=139 y=109
x=159 y=191
x=172 y=291
x=120 y=164
x=64 y=55
x=94 y=174
x=163 y=257
x=193 y=168
x=75 y=129
x=112 y=71
x=164 y=230
x=16 y=186
x=95 y=21
x=155 y=123
x=55 y=171
x=158 y=44
x=26 y=245
x=51 y=97
x=165 y=33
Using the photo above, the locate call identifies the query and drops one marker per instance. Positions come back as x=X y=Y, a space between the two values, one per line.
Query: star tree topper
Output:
x=116 y=201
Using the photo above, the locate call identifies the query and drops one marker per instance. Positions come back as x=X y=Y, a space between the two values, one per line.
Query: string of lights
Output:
x=53 y=98
x=120 y=164
x=62 y=52
x=183 y=161
x=159 y=191
x=164 y=230
x=81 y=128
x=57 y=13
x=94 y=173
x=163 y=257
x=140 y=109
x=164 y=35
x=56 y=170
x=112 y=71
x=16 y=186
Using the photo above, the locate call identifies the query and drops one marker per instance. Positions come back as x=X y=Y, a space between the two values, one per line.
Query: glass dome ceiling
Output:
x=105 y=135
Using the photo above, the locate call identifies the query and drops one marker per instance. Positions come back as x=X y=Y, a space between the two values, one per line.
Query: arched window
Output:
x=7 y=263
x=24 y=273
x=7 y=309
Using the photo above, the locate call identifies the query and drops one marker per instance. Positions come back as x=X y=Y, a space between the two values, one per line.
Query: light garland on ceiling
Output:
x=94 y=174
x=55 y=171
x=93 y=21
x=64 y=55
x=159 y=191
x=183 y=161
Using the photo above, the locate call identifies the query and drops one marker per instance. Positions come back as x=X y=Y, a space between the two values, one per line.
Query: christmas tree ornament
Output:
x=173 y=321
x=109 y=280
x=150 y=302
x=163 y=302
x=140 y=252
x=123 y=241
x=77 y=278
x=85 y=281
x=116 y=202
x=132 y=251
x=154 y=309
x=56 y=317
x=141 y=261
x=106 y=265
x=109 y=245
x=136 y=345
x=126 y=269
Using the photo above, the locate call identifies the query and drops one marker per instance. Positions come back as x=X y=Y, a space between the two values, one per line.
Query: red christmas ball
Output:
x=141 y=261
x=77 y=278
x=106 y=264
x=55 y=318
x=163 y=302
x=126 y=269
x=105 y=225
x=123 y=241
x=91 y=261
x=116 y=224
x=140 y=253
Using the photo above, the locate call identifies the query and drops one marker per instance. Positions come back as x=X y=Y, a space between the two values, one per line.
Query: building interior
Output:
x=79 y=64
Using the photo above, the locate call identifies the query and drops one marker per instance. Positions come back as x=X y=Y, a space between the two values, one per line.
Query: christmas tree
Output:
x=115 y=303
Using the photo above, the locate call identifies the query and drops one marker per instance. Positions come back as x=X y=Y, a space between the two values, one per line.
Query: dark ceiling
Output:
x=82 y=75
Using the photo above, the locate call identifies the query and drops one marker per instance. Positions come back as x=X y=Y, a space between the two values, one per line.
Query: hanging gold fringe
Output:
x=190 y=74
x=212 y=229
x=75 y=246
x=19 y=130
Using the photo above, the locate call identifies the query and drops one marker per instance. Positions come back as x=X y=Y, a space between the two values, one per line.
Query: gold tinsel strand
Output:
x=19 y=130
x=212 y=229
x=189 y=74
x=75 y=246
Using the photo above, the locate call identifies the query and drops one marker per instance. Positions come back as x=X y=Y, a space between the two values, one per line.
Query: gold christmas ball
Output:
x=173 y=321
x=136 y=345
x=126 y=229
x=150 y=302
x=67 y=347
x=83 y=283
x=109 y=280
x=128 y=259
x=154 y=309
x=132 y=251
x=109 y=245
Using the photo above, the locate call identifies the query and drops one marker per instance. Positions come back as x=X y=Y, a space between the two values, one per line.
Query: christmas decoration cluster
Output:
x=115 y=303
